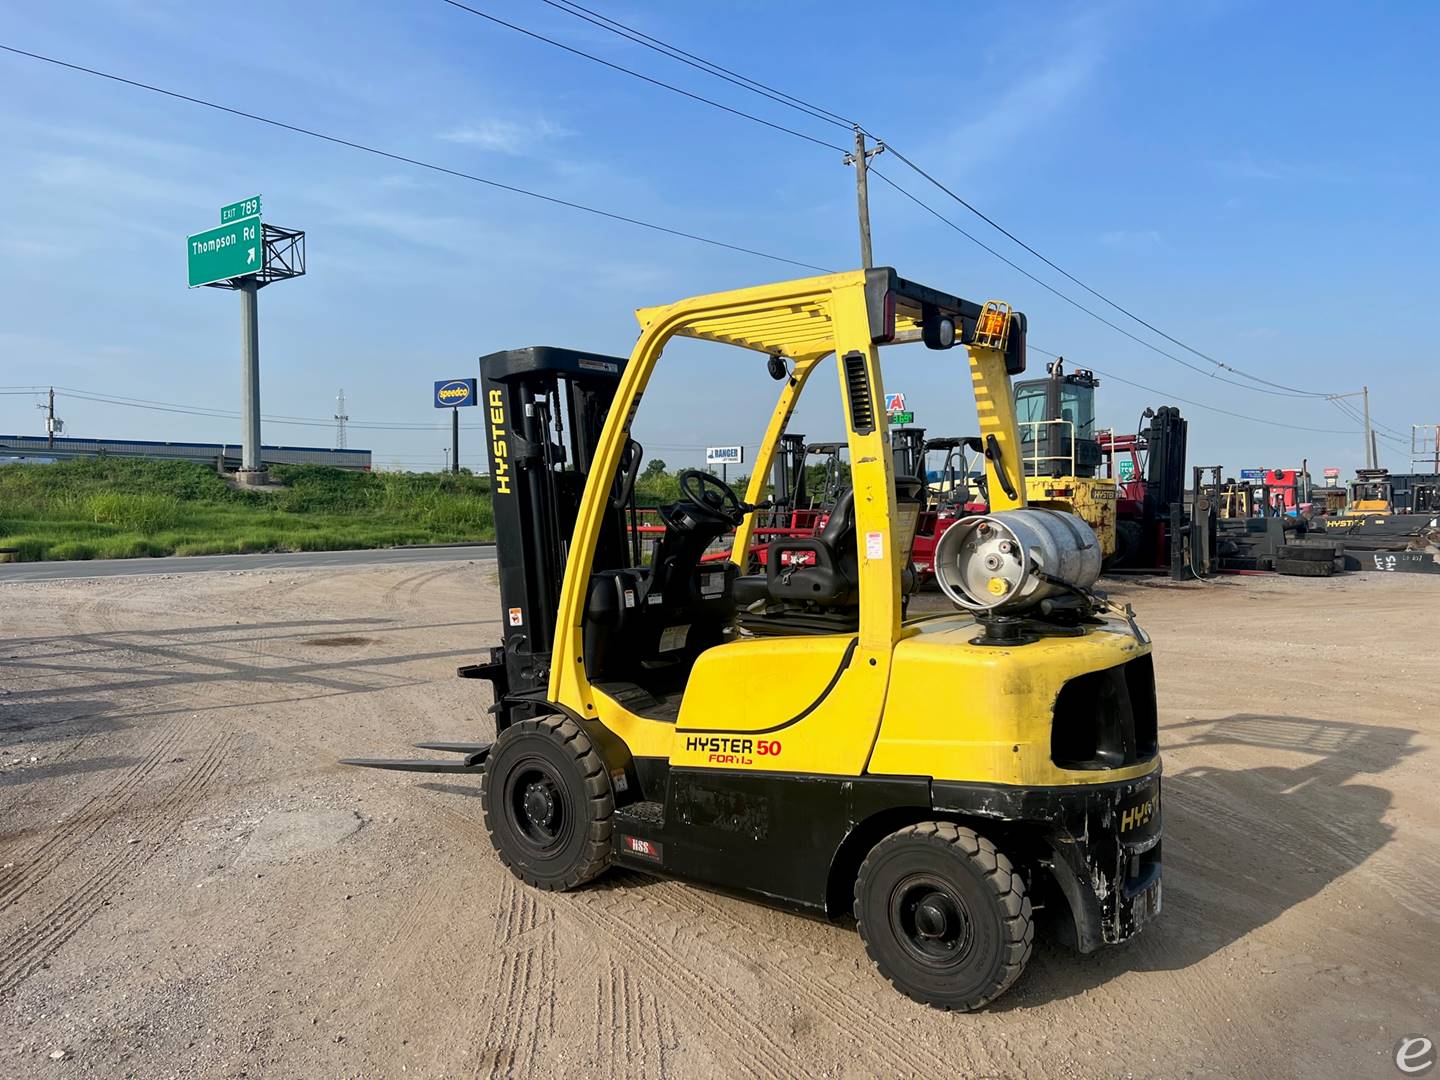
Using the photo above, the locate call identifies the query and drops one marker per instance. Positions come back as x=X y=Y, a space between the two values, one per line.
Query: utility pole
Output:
x=446 y=451
x=251 y=467
x=52 y=426
x=1369 y=434
x=861 y=160
x=340 y=418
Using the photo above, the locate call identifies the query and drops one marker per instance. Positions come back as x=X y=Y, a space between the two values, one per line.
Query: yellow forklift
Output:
x=1062 y=452
x=795 y=735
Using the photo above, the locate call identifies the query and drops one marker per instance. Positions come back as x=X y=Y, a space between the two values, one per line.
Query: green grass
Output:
x=122 y=509
x=119 y=509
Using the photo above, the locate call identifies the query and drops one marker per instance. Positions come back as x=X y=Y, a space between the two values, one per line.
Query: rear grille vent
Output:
x=1106 y=719
x=857 y=386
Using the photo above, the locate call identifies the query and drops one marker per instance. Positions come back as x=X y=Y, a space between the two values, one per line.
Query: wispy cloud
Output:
x=1047 y=87
x=1134 y=241
x=507 y=136
x=1246 y=166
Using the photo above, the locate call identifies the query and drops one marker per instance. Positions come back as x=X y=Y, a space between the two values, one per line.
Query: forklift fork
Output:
x=475 y=755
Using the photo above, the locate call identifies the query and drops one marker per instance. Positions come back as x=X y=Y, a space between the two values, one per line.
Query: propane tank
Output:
x=1009 y=561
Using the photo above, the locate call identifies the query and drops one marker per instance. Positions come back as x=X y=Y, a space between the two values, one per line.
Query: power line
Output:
x=1295 y=391
x=335 y=139
x=1063 y=296
x=1356 y=415
x=1198 y=404
x=645 y=78
x=665 y=48
x=222 y=414
x=664 y=229
x=630 y=33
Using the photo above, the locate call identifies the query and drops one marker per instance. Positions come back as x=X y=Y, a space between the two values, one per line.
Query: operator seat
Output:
x=824 y=569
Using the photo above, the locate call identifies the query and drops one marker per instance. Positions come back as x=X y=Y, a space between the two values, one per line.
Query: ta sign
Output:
x=456 y=392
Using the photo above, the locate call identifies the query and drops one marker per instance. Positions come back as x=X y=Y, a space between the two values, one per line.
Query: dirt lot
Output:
x=191 y=887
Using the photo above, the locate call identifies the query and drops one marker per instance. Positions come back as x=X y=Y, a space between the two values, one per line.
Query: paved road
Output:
x=200 y=564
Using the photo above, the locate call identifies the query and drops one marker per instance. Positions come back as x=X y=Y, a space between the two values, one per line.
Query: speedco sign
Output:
x=456 y=392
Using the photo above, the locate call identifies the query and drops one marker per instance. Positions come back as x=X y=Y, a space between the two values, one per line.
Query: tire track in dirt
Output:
x=23 y=952
x=80 y=824
x=751 y=1049
x=520 y=1014
x=755 y=1051
x=633 y=1036
x=812 y=985
x=410 y=585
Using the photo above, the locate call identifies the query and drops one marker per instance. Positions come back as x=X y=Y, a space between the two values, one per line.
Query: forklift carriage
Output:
x=791 y=733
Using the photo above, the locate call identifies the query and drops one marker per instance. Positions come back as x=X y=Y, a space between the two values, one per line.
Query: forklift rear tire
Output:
x=548 y=804
x=944 y=915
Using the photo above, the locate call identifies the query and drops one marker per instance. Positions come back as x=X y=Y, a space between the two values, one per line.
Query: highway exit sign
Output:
x=236 y=210
x=232 y=250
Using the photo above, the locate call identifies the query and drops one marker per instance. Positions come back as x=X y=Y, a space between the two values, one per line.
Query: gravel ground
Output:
x=190 y=886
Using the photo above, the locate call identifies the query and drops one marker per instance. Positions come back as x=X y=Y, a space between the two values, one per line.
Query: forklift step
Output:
x=1304 y=568
x=649 y=815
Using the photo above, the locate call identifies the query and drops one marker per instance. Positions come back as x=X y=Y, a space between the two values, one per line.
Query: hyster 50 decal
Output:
x=731 y=750
x=499 y=445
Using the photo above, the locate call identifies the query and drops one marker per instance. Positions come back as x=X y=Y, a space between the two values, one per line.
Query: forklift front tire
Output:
x=548 y=804
x=944 y=915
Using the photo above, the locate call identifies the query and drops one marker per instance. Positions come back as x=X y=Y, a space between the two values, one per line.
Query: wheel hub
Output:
x=931 y=921
x=540 y=802
x=931 y=918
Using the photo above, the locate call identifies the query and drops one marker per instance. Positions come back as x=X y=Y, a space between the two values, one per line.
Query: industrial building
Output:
x=42 y=448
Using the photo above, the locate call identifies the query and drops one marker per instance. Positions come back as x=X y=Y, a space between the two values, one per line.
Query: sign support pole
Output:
x=249 y=290
x=455 y=440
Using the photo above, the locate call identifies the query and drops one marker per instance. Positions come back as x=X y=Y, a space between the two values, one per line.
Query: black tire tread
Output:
x=569 y=735
x=1304 y=568
x=1002 y=878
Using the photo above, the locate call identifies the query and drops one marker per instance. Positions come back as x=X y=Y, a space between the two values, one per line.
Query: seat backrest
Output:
x=842 y=520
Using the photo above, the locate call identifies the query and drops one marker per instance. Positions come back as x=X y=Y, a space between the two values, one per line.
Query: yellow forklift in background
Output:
x=1062 y=453
x=796 y=734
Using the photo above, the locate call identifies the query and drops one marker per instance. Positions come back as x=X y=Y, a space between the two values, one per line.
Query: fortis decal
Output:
x=499 y=445
x=729 y=750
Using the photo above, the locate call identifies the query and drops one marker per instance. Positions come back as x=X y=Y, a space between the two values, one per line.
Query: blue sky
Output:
x=1255 y=179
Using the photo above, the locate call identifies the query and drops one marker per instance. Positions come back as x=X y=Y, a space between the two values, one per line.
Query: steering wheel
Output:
x=710 y=497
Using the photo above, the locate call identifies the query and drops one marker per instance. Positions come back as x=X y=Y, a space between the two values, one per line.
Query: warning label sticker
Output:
x=874 y=545
x=517 y=617
x=673 y=637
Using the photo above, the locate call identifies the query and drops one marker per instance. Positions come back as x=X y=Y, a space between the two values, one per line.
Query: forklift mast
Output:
x=907 y=445
x=787 y=486
x=1165 y=471
x=544 y=409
